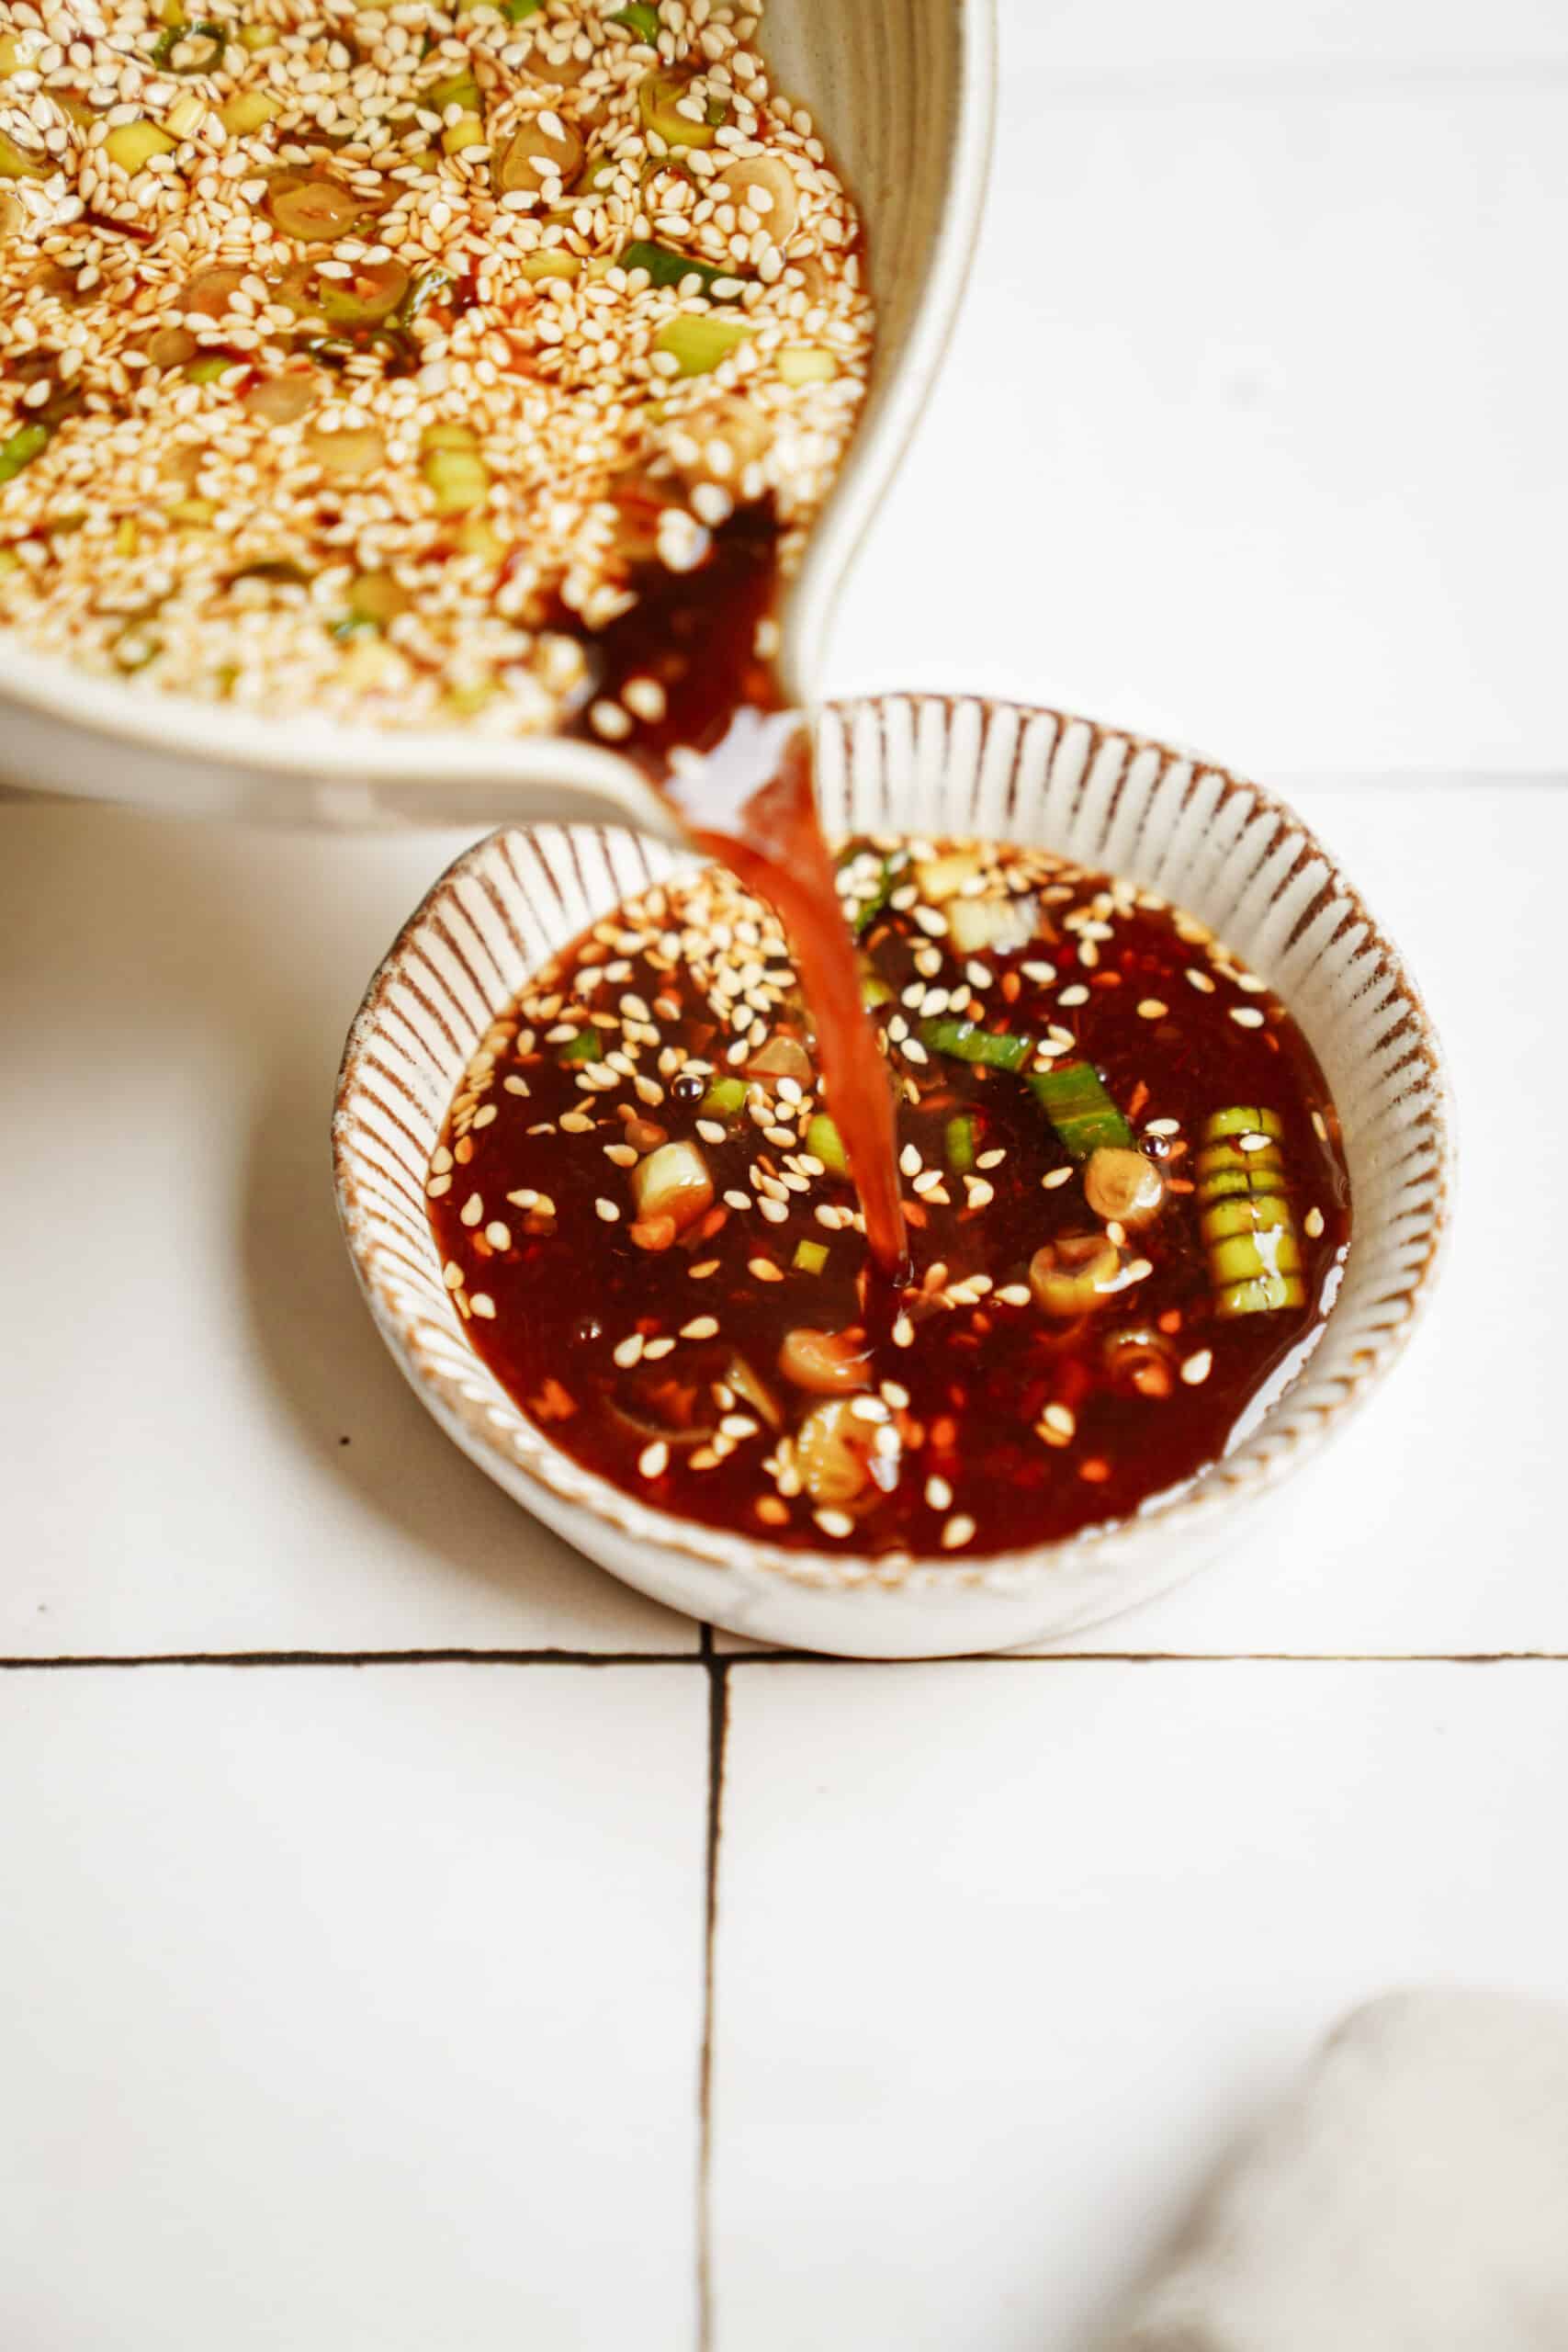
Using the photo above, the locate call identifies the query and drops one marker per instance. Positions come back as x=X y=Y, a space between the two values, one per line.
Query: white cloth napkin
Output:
x=1410 y=2196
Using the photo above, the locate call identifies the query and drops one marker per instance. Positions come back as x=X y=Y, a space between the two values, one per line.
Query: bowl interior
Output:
x=1207 y=840
x=902 y=90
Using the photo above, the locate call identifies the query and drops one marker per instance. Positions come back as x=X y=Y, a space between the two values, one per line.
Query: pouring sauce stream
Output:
x=736 y=767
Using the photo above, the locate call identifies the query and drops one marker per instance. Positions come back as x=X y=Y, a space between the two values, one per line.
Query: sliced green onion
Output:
x=824 y=1142
x=658 y=99
x=1245 y=1217
x=874 y=990
x=723 y=1099
x=20 y=162
x=316 y=211
x=515 y=11
x=458 y=89
x=639 y=18
x=1075 y=1101
x=964 y=1041
x=132 y=145
x=810 y=1256
x=961 y=1143
x=665 y=266
x=209 y=57
x=805 y=363
x=207 y=370
x=586 y=1047
x=698 y=342
x=27 y=442
x=428 y=287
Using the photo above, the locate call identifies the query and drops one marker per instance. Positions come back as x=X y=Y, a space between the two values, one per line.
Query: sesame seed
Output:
x=939 y=1494
x=834 y=1522
x=775 y=1212
x=1151 y=1009
x=1056 y=1176
x=1247 y=1017
x=1076 y=994
x=1312 y=1224
x=701 y=1327
x=628 y=1351
x=656 y=1349
x=1163 y=1127
x=700 y=1273
x=990 y=1158
x=499 y=1236
x=958 y=1531
x=472 y=1210
x=1195 y=1369
x=654 y=1459
x=607 y=1211
x=1060 y=1417
x=764 y=1270
x=481 y=1303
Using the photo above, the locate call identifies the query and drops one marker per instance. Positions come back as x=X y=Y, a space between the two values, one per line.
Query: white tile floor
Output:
x=365 y=2005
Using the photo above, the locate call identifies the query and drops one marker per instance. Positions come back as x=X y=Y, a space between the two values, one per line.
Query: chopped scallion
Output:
x=1075 y=1101
x=964 y=1041
x=824 y=1142
x=723 y=1098
x=27 y=442
x=586 y=1047
x=1244 y=1215
x=810 y=1256
x=961 y=1143
x=639 y=18
x=665 y=266
x=698 y=342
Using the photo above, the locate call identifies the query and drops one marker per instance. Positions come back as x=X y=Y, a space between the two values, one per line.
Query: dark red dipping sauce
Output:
x=1123 y=1196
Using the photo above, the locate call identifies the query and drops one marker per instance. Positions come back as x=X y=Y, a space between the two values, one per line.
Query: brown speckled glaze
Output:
x=1206 y=839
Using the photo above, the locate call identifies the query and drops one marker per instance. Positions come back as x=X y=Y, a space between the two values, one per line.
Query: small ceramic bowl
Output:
x=1206 y=839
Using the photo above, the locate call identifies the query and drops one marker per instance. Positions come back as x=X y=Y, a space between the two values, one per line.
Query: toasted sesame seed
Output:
x=481 y=1303
x=628 y=1351
x=1151 y=1009
x=834 y=1522
x=701 y=1327
x=1312 y=1224
x=1077 y=994
x=654 y=1459
x=939 y=1494
x=1060 y=1417
x=1055 y=1176
x=764 y=1270
x=499 y=1236
x=1247 y=1017
x=607 y=1211
x=656 y=1349
x=958 y=1531
x=1195 y=1369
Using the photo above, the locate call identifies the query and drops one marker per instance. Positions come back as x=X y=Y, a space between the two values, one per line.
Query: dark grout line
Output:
x=66 y=1662
x=718 y=1732
x=1169 y=1658
x=714 y=1662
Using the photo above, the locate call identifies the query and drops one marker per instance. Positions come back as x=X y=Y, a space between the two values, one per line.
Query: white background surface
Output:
x=360 y=2005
